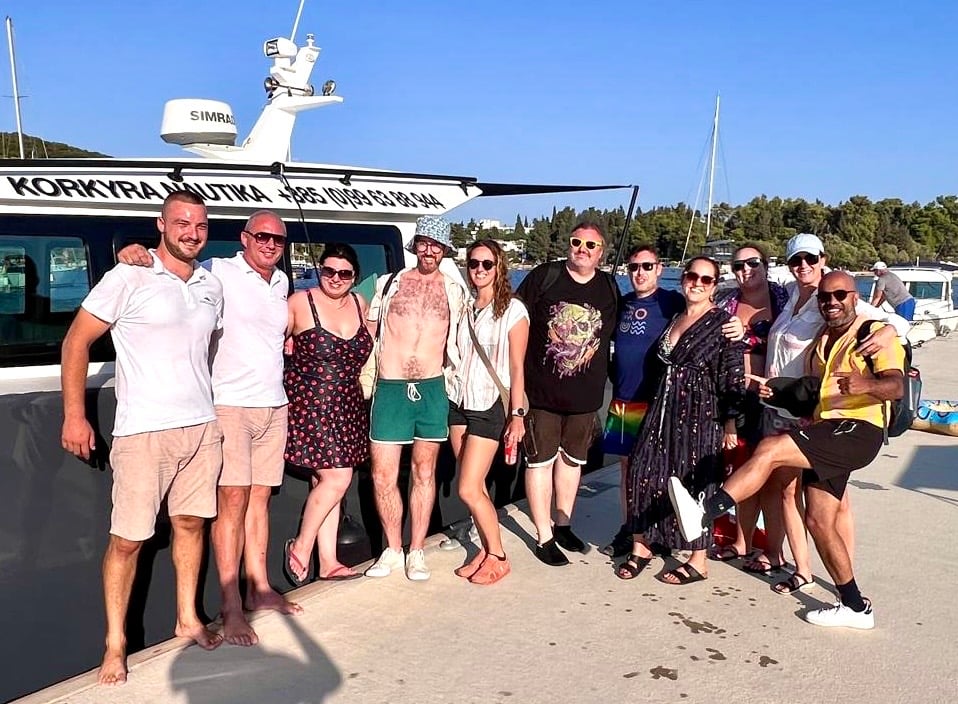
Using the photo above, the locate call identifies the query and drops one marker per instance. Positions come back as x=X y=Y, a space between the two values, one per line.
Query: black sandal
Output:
x=795 y=583
x=632 y=567
x=689 y=576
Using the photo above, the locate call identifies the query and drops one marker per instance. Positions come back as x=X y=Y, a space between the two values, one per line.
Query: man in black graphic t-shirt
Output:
x=572 y=312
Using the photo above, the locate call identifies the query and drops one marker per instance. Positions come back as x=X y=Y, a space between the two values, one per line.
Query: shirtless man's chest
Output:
x=416 y=324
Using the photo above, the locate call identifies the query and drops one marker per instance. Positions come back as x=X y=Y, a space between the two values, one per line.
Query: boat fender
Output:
x=937 y=417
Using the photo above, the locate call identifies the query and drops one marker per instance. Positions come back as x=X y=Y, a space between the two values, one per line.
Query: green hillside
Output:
x=36 y=148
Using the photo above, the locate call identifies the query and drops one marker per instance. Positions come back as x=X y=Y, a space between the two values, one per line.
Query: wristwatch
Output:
x=519 y=412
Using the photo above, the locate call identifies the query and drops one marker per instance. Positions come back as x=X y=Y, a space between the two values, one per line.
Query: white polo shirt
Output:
x=248 y=354
x=161 y=328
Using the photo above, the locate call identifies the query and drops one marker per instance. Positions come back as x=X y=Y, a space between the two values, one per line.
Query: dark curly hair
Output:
x=501 y=288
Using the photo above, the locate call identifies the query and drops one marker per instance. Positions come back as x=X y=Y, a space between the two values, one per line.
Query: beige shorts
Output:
x=254 y=440
x=181 y=464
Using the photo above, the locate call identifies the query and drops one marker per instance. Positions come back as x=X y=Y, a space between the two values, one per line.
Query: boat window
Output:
x=43 y=280
x=927 y=289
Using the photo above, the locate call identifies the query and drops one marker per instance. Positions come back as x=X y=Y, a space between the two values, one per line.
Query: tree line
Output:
x=856 y=232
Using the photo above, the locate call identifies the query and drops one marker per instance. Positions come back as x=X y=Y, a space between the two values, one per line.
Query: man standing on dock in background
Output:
x=247 y=374
x=419 y=310
x=166 y=440
x=888 y=287
x=572 y=313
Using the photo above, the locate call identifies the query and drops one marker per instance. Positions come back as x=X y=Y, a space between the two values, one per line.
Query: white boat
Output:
x=935 y=314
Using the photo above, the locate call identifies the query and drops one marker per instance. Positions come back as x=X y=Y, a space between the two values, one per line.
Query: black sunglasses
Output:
x=486 y=264
x=588 y=244
x=839 y=295
x=693 y=278
x=797 y=259
x=264 y=237
x=329 y=272
x=645 y=266
x=739 y=264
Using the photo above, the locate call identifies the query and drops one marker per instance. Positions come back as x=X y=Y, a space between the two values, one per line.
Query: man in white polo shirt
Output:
x=166 y=440
x=251 y=408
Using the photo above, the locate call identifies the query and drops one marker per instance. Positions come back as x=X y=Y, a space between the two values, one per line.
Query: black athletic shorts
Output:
x=836 y=448
x=490 y=423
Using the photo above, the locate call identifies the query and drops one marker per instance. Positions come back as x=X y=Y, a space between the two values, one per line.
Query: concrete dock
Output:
x=579 y=634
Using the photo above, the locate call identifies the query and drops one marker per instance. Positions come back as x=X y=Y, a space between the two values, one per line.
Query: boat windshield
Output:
x=933 y=290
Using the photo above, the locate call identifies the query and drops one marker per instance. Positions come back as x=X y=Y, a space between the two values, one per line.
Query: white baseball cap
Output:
x=879 y=265
x=804 y=242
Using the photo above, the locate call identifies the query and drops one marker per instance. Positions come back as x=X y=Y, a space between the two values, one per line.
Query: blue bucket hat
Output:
x=433 y=227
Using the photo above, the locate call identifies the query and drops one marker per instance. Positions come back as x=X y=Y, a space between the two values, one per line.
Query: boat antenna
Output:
x=16 y=87
x=623 y=238
x=299 y=14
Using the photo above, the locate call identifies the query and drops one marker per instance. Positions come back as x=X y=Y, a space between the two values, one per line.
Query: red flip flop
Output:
x=340 y=574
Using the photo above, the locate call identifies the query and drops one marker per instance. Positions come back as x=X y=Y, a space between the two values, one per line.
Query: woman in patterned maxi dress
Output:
x=690 y=420
x=328 y=419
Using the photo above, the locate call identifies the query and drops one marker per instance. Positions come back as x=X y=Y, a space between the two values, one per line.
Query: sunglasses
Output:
x=752 y=262
x=328 y=272
x=486 y=264
x=589 y=244
x=423 y=245
x=839 y=295
x=694 y=278
x=264 y=237
x=810 y=259
x=645 y=266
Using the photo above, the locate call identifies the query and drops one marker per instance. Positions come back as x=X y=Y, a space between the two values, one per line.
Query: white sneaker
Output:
x=416 y=569
x=840 y=616
x=688 y=511
x=390 y=560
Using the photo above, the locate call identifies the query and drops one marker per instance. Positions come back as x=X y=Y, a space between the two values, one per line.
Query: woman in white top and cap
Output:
x=478 y=417
x=791 y=335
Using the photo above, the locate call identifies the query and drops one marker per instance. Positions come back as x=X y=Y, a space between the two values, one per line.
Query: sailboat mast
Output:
x=16 y=87
x=715 y=128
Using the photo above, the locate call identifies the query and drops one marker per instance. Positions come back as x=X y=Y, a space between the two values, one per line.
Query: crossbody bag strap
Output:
x=503 y=392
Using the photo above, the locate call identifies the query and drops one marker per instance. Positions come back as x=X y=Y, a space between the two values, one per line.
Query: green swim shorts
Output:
x=403 y=411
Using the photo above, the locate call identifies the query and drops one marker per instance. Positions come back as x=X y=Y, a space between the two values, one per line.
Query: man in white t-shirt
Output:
x=166 y=440
x=251 y=408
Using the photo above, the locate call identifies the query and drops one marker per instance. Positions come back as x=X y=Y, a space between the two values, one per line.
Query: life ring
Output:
x=937 y=417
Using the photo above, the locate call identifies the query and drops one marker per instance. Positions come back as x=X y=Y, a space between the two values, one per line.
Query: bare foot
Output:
x=113 y=668
x=270 y=600
x=237 y=631
x=204 y=637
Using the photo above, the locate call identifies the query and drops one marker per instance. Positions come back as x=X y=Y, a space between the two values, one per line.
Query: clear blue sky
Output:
x=819 y=100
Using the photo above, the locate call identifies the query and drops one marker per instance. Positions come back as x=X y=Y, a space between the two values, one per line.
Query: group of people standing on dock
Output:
x=222 y=378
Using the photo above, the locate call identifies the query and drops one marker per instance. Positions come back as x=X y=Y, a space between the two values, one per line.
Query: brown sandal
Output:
x=469 y=569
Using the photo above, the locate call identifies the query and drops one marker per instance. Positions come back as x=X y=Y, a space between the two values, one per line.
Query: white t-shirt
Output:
x=248 y=353
x=161 y=328
x=479 y=391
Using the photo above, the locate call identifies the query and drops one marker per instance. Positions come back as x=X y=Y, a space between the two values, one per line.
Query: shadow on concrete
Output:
x=230 y=675
x=932 y=472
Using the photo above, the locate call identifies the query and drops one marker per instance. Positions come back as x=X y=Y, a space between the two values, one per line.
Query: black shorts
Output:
x=490 y=423
x=549 y=433
x=836 y=448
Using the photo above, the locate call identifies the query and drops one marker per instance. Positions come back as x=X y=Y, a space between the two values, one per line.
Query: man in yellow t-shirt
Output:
x=847 y=434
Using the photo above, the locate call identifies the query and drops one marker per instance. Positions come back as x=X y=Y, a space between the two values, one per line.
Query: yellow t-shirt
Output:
x=845 y=358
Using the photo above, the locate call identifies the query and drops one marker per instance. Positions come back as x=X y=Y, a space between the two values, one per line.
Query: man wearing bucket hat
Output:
x=416 y=312
x=889 y=287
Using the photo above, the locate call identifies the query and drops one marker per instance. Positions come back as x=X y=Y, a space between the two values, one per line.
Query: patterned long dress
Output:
x=328 y=419
x=701 y=385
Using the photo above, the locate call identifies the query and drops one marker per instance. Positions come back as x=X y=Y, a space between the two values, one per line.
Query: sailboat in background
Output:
x=709 y=173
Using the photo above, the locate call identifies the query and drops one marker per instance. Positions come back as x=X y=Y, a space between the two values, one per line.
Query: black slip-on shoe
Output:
x=550 y=554
x=568 y=540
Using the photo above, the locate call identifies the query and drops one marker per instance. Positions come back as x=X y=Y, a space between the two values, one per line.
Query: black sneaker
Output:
x=550 y=554
x=568 y=540
x=621 y=544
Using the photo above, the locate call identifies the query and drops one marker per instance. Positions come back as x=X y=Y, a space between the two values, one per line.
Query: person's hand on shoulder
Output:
x=135 y=255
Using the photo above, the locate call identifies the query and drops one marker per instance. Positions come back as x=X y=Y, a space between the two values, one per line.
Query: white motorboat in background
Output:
x=935 y=313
